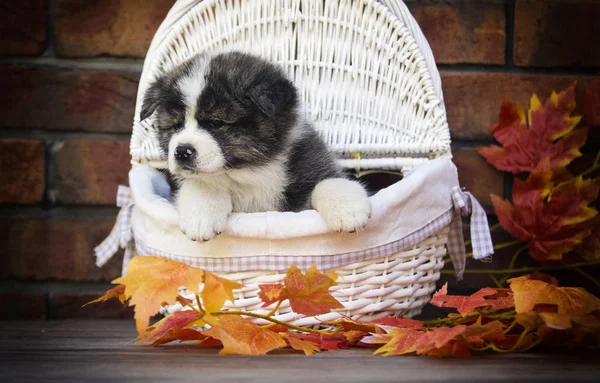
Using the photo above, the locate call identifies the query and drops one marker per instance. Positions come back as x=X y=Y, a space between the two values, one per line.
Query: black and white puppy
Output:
x=230 y=126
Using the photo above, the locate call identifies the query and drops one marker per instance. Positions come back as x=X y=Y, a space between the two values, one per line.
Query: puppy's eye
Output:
x=214 y=124
x=177 y=127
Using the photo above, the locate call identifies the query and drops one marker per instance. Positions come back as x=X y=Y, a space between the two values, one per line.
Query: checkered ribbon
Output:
x=121 y=234
x=466 y=205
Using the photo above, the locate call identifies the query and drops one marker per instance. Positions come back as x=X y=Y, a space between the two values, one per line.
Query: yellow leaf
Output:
x=152 y=280
x=216 y=291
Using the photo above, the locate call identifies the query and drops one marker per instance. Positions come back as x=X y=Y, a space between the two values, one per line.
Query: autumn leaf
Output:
x=323 y=341
x=440 y=341
x=309 y=293
x=573 y=301
x=550 y=134
x=175 y=321
x=305 y=346
x=494 y=298
x=591 y=105
x=186 y=334
x=151 y=280
x=399 y=322
x=242 y=337
x=354 y=337
x=271 y=293
x=216 y=291
x=349 y=324
x=590 y=247
x=553 y=227
x=400 y=341
x=115 y=292
x=477 y=333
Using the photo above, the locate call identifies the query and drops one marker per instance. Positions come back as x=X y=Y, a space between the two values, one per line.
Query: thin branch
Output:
x=527 y=269
x=288 y=325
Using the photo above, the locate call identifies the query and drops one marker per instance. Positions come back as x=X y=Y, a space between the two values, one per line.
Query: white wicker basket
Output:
x=368 y=80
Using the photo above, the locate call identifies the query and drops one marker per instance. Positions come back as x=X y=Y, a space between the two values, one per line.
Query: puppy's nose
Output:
x=184 y=152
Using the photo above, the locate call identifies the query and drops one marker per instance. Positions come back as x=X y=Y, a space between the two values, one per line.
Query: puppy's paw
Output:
x=203 y=211
x=343 y=204
x=200 y=225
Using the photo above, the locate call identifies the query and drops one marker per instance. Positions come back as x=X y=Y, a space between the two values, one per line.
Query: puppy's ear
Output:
x=151 y=100
x=272 y=96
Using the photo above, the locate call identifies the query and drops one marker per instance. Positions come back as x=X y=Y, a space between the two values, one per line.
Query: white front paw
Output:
x=343 y=204
x=202 y=225
x=203 y=211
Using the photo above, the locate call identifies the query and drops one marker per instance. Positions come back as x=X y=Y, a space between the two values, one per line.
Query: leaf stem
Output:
x=496 y=281
x=274 y=310
x=588 y=276
x=270 y=319
x=527 y=269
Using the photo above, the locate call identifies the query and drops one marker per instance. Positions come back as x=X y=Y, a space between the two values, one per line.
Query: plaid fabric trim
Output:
x=120 y=235
x=466 y=205
x=283 y=262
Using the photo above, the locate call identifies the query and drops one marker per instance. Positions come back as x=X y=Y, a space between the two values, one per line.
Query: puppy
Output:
x=230 y=126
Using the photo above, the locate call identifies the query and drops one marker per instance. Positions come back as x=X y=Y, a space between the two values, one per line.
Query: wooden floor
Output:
x=82 y=351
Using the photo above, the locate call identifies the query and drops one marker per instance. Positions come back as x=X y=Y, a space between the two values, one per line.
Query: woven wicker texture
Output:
x=400 y=284
x=367 y=79
x=363 y=78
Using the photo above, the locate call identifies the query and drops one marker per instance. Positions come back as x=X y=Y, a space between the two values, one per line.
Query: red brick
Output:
x=478 y=177
x=67 y=99
x=69 y=306
x=551 y=33
x=473 y=98
x=90 y=171
x=55 y=247
x=23 y=306
x=23 y=26
x=23 y=175
x=110 y=27
x=463 y=31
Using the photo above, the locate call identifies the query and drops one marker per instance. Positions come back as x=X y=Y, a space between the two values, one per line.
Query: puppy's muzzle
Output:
x=185 y=154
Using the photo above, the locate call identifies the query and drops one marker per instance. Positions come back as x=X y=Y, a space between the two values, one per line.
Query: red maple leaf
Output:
x=550 y=134
x=492 y=297
x=552 y=219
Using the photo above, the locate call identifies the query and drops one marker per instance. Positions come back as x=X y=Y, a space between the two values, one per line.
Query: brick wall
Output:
x=68 y=76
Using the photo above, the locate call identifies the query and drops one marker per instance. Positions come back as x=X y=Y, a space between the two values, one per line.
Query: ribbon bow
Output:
x=465 y=205
x=121 y=234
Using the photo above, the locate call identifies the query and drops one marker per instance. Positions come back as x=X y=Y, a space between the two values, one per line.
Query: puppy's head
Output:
x=214 y=113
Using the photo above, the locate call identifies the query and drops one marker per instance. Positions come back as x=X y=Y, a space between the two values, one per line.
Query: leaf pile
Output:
x=551 y=210
x=533 y=311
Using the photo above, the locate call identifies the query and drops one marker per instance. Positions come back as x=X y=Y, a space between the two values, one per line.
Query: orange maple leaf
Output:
x=323 y=341
x=552 y=219
x=309 y=293
x=305 y=346
x=495 y=298
x=151 y=280
x=529 y=294
x=399 y=322
x=115 y=292
x=550 y=134
x=242 y=337
x=352 y=325
x=216 y=291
